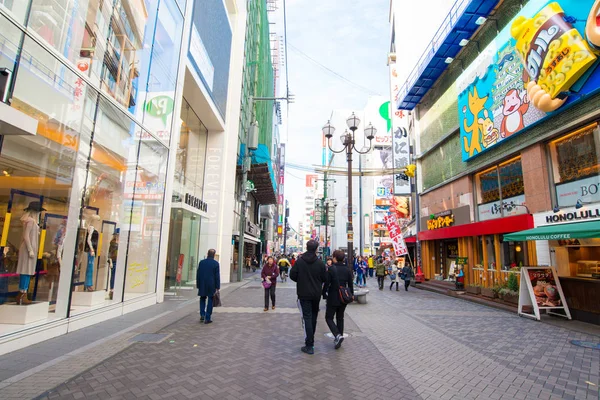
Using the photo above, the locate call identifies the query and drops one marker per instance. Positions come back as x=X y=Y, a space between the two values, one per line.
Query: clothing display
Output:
x=29 y=244
x=91 y=248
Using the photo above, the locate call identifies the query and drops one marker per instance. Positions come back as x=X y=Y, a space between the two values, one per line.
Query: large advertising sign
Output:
x=541 y=63
x=400 y=143
x=540 y=290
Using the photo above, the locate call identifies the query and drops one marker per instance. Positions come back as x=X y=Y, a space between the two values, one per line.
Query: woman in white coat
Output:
x=395 y=274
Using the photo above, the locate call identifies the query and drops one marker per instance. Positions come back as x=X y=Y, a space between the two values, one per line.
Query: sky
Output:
x=351 y=38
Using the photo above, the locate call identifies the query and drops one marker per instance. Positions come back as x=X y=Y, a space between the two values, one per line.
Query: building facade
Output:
x=501 y=151
x=113 y=121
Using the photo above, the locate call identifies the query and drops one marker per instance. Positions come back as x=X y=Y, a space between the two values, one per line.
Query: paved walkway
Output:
x=403 y=345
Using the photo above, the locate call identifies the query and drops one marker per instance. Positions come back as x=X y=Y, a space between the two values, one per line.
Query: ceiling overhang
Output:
x=460 y=24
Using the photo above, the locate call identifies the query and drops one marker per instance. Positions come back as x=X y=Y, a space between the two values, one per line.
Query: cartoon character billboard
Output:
x=544 y=60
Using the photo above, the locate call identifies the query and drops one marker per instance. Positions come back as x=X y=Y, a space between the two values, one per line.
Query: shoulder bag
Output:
x=346 y=295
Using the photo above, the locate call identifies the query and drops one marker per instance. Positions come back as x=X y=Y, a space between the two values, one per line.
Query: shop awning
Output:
x=580 y=230
x=497 y=226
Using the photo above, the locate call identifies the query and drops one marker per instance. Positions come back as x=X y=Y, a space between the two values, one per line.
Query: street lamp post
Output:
x=349 y=142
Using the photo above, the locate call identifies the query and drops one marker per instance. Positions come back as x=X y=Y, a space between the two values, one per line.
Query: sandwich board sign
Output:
x=540 y=290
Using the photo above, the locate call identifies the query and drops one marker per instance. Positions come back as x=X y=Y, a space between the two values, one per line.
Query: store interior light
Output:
x=480 y=20
x=6 y=173
x=449 y=60
x=463 y=42
x=518 y=248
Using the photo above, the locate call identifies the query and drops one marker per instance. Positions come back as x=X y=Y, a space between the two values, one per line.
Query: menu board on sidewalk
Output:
x=540 y=290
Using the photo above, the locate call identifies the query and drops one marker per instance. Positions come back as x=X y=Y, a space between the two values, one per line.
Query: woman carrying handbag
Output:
x=269 y=275
x=339 y=292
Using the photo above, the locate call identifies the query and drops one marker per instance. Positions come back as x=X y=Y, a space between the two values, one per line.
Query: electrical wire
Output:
x=303 y=54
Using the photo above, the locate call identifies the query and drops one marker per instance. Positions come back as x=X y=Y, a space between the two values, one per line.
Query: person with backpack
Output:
x=380 y=272
x=406 y=274
x=339 y=292
x=309 y=274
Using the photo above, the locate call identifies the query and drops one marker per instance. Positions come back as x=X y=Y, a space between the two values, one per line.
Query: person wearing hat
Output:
x=28 y=249
x=113 y=252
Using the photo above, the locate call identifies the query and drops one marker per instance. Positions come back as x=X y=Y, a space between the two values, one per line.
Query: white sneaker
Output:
x=338 y=341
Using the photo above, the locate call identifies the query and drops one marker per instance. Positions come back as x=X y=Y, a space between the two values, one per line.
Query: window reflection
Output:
x=18 y=8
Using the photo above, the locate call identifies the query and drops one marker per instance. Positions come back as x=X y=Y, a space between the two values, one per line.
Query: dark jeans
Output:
x=270 y=291
x=336 y=328
x=206 y=309
x=310 y=311
x=113 y=269
x=370 y=272
x=380 y=280
x=392 y=285
x=406 y=284
x=361 y=278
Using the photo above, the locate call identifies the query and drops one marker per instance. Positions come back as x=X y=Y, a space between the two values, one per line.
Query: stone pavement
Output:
x=402 y=345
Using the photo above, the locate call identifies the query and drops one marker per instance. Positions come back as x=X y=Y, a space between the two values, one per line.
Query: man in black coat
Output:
x=309 y=273
x=338 y=275
x=208 y=281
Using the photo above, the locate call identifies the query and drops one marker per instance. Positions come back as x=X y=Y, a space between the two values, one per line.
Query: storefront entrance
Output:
x=183 y=254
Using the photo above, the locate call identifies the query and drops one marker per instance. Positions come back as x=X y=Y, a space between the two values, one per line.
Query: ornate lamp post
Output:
x=349 y=142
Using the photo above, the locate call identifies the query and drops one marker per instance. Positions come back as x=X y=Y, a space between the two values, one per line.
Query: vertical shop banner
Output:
x=280 y=196
x=538 y=65
x=400 y=142
x=396 y=235
x=540 y=290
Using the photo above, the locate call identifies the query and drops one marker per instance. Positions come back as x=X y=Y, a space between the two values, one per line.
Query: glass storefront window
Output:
x=576 y=167
x=145 y=218
x=42 y=183
x=514 y=254
x=100 y=267
x=18 y=9
x=10 y=40
x=109 y=41
x=501 y=191
x=577 y=257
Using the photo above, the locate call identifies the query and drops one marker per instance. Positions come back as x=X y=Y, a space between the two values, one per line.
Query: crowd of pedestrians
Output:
x=333 y=280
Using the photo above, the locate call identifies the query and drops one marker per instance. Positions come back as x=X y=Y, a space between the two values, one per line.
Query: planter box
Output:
x=511 y=298
x=488 y=292
x=473 y=289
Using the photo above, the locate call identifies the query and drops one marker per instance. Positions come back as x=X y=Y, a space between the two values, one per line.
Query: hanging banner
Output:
x=395 y=233
x=536 y=67
x=400 y=143
x=540 y=290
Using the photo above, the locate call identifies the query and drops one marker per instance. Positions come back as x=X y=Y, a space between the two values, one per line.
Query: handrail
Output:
x=445 y=28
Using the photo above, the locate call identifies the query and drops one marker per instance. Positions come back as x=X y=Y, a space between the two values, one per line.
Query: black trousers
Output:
x=392 y=285
x=406 y=284
x=380 y=280
x=270 y=291
x=310 y=311
x=336 y=328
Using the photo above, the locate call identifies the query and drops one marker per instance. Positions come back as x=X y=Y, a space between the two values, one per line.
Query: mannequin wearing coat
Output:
x=28 y=249
x=91 y=248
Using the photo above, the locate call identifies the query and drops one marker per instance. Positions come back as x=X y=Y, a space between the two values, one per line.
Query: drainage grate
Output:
x=150 y=337
x=589 y=345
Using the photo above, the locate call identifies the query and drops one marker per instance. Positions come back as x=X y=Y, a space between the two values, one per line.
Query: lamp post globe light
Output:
x=348 y=140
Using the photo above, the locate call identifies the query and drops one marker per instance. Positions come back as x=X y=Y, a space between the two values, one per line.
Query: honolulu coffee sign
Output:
x=573 y=216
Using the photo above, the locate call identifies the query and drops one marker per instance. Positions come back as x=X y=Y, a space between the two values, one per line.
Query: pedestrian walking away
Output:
x=269 y=275
x=395 y=275
x=406 y=274
x=208 y=281
x=284 y=267
x=309 y=274
x=371 y=265
x=380 y=272
x=338 y=276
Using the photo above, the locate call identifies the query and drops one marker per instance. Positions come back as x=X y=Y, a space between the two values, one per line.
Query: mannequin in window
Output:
x=113 y=252
x=56 y=260
x=91 y=247
x=28 y=249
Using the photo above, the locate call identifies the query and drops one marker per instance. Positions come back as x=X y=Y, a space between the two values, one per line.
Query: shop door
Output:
x=183 y=249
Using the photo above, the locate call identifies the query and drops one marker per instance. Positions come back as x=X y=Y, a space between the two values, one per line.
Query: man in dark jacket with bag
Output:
x=309 y=274
x=338 y=276
x=208 y=281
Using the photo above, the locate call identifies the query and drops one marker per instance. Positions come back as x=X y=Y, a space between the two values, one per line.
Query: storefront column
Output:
x=486 y=278
x=498 y=255
x=531 y=253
